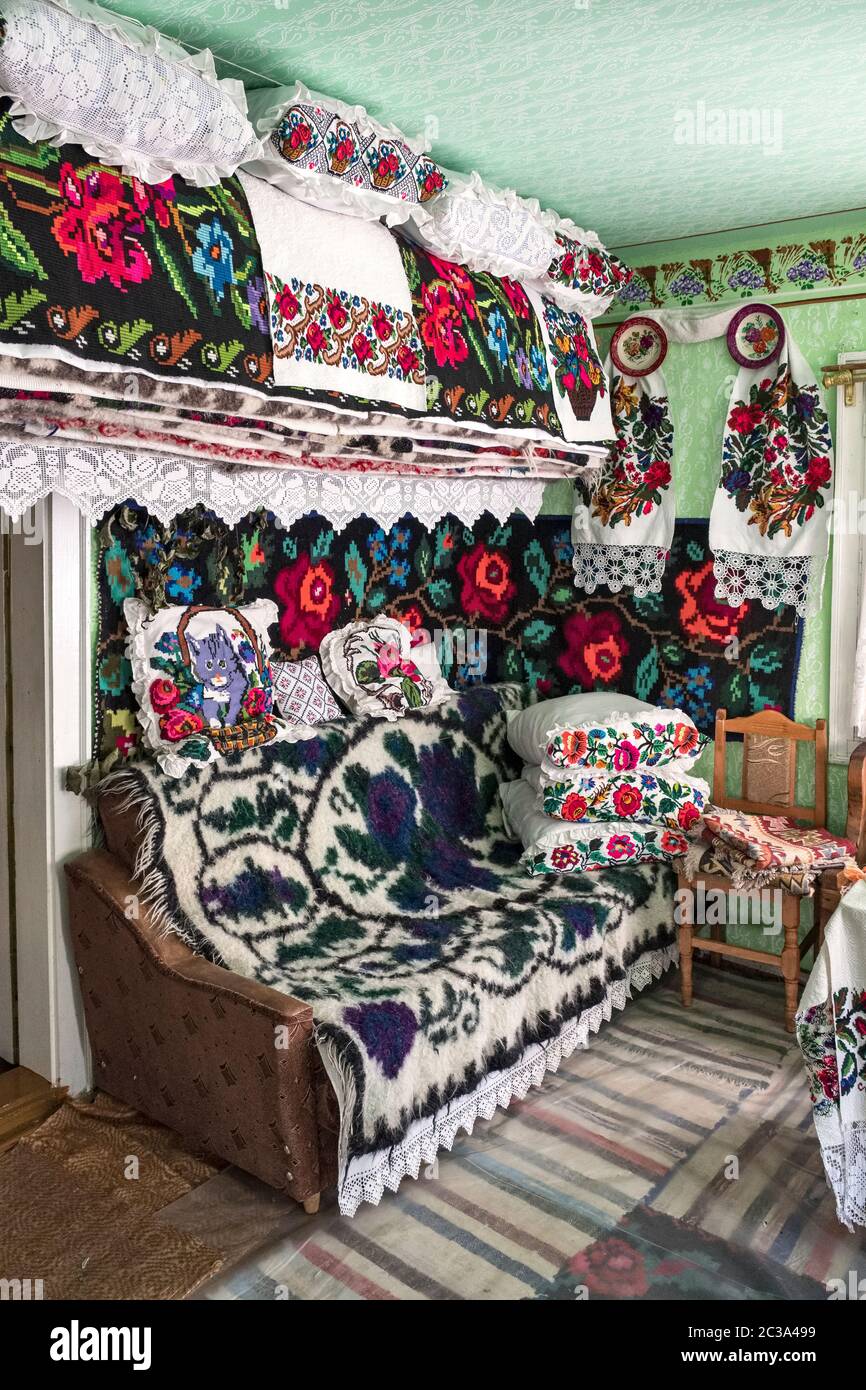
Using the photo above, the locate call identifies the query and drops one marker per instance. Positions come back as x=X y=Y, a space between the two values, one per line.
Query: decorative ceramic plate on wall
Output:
x=755 y=335
x=639 y=346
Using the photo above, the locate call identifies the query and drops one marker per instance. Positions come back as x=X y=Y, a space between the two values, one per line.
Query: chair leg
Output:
x=791 y=957
x=718 y=932
x=311 y=1204
x=686 y=963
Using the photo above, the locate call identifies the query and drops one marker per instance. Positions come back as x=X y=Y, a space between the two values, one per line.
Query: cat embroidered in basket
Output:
x=202 y=679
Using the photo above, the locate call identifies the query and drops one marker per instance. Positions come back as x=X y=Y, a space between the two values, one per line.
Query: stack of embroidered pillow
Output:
x=607 y=780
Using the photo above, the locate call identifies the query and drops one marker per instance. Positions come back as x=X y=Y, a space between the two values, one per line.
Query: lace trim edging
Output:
x=771 y=579
x=637 y=567
x=96 y=480
x=388 y=1167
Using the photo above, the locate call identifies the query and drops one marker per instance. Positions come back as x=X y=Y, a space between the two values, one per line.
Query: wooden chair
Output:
x=768 y=788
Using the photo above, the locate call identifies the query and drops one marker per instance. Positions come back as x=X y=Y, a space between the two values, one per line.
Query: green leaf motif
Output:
x=439 y=592
x=356 y=571
x=175 y=274
x=367 y=673
x=537 y=633
x=411 y=693
x=423 y=559
x=321 y=548
x=537 y=566
x=16 y=250
x=647 y=674
x=16 y=307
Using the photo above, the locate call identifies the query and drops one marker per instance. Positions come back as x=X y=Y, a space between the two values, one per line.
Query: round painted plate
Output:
x=755 y=335
x=638 y=346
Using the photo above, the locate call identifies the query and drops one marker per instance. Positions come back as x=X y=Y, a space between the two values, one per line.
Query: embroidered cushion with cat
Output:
x=202 y=680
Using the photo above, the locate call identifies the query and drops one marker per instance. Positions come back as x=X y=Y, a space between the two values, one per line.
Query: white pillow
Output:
x=371 y=667
x=552 y=846
x=131 y=97
x=325 y=152
x=487 y=229
x=529 y=729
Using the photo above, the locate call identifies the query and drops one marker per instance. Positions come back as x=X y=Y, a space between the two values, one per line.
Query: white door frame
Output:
x=51 y=721
x=849 y=491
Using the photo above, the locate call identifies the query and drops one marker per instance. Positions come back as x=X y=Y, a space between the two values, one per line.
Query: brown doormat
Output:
x=80 y=1199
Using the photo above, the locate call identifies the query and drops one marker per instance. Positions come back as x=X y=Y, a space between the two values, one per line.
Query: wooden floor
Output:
x=25 y=1101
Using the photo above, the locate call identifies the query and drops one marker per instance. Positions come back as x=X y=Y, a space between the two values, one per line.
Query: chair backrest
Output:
x=855 y=828
x=770 y=765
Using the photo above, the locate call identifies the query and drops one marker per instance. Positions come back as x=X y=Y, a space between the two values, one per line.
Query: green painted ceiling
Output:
x=579 y=102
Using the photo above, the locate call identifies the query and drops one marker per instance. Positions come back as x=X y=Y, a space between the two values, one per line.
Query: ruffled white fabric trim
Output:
x=771 y=579
x=487 y=229
x=637 y=567
x=97 y=479
x=366 y=1178
x=36 y=126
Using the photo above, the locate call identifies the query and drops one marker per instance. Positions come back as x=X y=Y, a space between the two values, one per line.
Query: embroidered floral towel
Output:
x=831 y=1032
x=768 y=526
x=340 y=308
x=623 y=536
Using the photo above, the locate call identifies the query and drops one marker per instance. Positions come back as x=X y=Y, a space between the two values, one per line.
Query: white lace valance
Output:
x=97 y=479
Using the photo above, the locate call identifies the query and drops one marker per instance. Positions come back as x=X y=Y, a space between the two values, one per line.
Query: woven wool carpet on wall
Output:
x=513 y=581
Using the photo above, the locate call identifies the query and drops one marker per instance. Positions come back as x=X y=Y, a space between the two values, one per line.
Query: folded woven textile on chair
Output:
x=374 y=881
x=759 y=850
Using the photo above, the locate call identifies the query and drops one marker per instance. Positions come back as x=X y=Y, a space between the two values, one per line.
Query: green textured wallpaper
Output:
x=644 y=119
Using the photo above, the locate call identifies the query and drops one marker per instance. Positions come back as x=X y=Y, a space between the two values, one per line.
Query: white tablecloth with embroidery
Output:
x=831 y=1032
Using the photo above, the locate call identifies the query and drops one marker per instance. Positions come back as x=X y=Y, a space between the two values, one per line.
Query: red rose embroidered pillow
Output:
x=202 y=680
x=624 y=743
x=675 y=801
x=370 y=666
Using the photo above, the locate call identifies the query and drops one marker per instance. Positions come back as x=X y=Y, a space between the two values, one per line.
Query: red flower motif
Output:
x=300 y=136
x=573 y=807
x=315 y=338
x=594 y=648
x=180 y=723
x=487 y=585
x=564 y=857
x=574 y=743
x=256 y=701
x=382 y=326
x=672 y=843
x=685 y=739
x=627 y=801
x=461 y=282
x=744 y=418
x=287 y=303
x=154 y=198
x=701 y=614
x=611 y=1267
x=407 y=360
x=516 y=297
x=310 y=606
x=625 y=756
x=361 y=347
x=440 y=327
x=657 y=475
x=164 y=694
x=818 y=474
x=100 y=228
x=336 y=313
x=687 y=815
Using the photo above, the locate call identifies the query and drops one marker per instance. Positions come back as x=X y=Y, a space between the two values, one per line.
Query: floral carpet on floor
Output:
x=709 y=1187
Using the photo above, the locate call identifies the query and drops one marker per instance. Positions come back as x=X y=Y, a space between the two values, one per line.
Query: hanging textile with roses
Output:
x=502 y=591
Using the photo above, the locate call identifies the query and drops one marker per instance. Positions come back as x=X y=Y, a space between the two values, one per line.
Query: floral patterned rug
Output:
x=503 y=592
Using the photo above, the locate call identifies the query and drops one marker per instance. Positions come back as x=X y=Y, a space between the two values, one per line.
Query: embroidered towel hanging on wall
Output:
x=768 y=528
x=622 y=537
x=768 y=525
